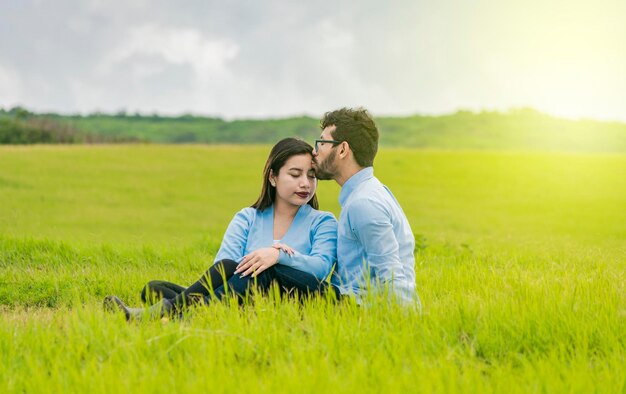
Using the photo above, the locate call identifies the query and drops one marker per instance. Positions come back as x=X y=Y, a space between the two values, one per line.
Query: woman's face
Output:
x=295 y=182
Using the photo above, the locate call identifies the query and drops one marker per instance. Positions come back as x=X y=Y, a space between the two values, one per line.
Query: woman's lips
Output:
x=303 y=195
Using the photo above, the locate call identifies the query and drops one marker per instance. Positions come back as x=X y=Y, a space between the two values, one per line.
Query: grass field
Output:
x=520 y=262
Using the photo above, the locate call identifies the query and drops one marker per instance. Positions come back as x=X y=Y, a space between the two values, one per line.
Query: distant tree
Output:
x=186 y=117
x=20 y=113
x=185 y=138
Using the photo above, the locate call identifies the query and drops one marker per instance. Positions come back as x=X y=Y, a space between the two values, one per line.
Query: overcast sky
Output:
x=276 y=58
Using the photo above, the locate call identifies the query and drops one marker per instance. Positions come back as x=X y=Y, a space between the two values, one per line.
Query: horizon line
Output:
x=145 y=114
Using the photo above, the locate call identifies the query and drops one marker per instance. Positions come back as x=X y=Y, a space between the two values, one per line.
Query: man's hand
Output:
x=258 y=261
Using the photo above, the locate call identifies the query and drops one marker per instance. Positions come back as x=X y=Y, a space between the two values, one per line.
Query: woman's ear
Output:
x=272 y=178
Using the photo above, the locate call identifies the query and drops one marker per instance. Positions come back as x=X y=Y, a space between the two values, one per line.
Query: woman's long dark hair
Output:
x=281 y=152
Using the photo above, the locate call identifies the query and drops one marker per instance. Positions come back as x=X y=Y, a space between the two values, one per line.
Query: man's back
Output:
x=375 y=243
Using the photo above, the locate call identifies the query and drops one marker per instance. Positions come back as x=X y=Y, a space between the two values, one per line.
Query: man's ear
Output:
x=344 y=149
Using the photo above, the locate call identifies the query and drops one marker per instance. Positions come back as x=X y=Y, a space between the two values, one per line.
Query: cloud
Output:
x=180 y=46
x=10 y=86
x=277 y=58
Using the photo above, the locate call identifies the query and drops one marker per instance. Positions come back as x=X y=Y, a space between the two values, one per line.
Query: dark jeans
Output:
x=290 y=281
x=213 y=278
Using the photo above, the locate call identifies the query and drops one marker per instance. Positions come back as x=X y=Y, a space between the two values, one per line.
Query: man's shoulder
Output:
x=371 y=191
x=363 y=205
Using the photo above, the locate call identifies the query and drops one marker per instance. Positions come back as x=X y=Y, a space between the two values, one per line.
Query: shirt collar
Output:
x=353 y=182
x=303 y=210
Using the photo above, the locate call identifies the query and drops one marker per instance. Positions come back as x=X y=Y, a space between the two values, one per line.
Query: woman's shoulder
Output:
x=248 y=211
x=248 y=214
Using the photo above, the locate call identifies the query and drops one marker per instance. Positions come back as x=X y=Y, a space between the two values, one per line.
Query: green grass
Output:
x=521 y=268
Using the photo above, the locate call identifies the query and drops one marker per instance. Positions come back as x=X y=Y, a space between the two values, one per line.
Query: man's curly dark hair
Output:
x=357 y=128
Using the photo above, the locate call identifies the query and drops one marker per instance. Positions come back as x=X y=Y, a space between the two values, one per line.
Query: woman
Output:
x=281 y=238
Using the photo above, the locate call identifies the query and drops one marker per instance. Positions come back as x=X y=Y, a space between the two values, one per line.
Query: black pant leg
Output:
x=243 y=286
x=157 y=289
x=212 y=279
x=290 y=281
x=296 y=282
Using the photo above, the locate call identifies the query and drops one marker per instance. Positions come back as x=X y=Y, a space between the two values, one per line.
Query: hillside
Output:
x=519 y=129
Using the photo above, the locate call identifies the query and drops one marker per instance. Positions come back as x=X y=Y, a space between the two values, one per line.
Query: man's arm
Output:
x=371 y=223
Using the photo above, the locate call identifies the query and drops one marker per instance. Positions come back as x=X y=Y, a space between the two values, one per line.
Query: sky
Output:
x=261 y=59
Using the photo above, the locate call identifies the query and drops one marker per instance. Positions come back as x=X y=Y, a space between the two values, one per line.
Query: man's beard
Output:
x=326 y=170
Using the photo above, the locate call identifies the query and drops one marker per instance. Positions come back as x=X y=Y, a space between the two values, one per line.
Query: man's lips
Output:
x=302 y=195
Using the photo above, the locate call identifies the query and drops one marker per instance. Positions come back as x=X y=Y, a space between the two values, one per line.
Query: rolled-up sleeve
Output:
x=323 y=253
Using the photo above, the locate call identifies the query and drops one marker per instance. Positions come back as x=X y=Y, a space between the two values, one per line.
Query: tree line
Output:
x=516 y=129
x=19 y=126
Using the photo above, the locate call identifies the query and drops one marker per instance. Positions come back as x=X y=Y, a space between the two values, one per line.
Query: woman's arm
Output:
x=236 y=236
x=323 y=249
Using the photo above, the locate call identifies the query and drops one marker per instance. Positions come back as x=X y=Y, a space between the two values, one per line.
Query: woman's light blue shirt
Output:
x=312 y=234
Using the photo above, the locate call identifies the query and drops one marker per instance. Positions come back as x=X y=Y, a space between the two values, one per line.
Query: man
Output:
x=375 y=243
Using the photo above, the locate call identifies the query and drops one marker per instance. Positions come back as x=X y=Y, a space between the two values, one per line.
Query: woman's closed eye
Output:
x=295 y=173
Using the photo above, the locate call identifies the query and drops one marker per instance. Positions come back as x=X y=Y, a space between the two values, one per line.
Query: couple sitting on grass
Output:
x=284 y=239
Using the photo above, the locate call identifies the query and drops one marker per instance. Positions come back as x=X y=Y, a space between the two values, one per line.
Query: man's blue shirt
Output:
x=375 y=244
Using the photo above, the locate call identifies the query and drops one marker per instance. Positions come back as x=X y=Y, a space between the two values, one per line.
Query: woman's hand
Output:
x=258 y=261
x=284 y=248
